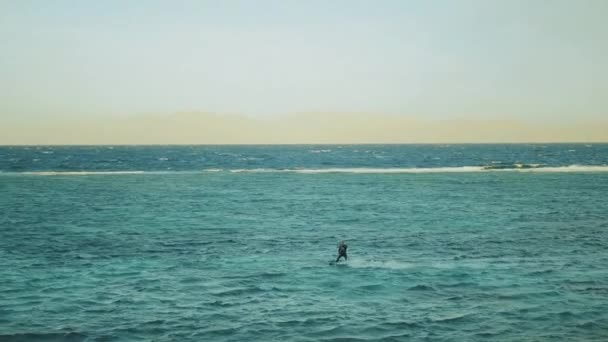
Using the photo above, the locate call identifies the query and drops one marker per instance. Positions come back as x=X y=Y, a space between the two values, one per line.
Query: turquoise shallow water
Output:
x=240 y=256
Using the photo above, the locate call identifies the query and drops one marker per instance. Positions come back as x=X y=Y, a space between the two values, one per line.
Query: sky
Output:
x=103 y=63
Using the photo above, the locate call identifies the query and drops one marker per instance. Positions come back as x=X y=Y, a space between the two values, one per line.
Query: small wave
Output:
x=459 y=284
x=389 y=264
x=540 y=272
x=400 y=325
x=222 y=303
x=68 y=336
x=236 y=292
x=526 y=295
x=371 y=287
x=455 y=318
x=421 y=287
x=271 y=274
x=589 y=325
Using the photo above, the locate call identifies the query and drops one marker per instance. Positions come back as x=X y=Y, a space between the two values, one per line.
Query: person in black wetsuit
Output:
x=342 y=251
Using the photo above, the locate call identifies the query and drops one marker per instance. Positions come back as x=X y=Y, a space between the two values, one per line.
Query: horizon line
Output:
x=316 y=144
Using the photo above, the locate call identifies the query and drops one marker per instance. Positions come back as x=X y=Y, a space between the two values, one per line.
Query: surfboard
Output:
x=333 y=263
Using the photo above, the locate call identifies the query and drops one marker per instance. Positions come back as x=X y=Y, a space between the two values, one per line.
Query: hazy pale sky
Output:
x=482 y=59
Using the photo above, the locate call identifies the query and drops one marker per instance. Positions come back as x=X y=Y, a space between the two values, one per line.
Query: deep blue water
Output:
x=233 y=243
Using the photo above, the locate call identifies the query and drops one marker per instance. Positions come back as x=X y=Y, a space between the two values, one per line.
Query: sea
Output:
x=494 y=242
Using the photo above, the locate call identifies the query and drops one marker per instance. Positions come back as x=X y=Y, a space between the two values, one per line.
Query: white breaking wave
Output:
x=366 y=170
x=460 y=169
x=392 y=170
x=414 y=170
x=571 y=168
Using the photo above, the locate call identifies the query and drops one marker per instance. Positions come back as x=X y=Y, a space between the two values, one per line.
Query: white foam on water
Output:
x=536 y=168
x=255 y=170
x=565 y=169
x=391 y=170
x=459 y=169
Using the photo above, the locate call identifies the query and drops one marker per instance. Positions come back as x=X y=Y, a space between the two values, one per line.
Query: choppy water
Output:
x=445 y=243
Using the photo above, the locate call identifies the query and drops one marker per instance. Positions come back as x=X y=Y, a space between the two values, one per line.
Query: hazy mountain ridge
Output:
x=204 y=128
